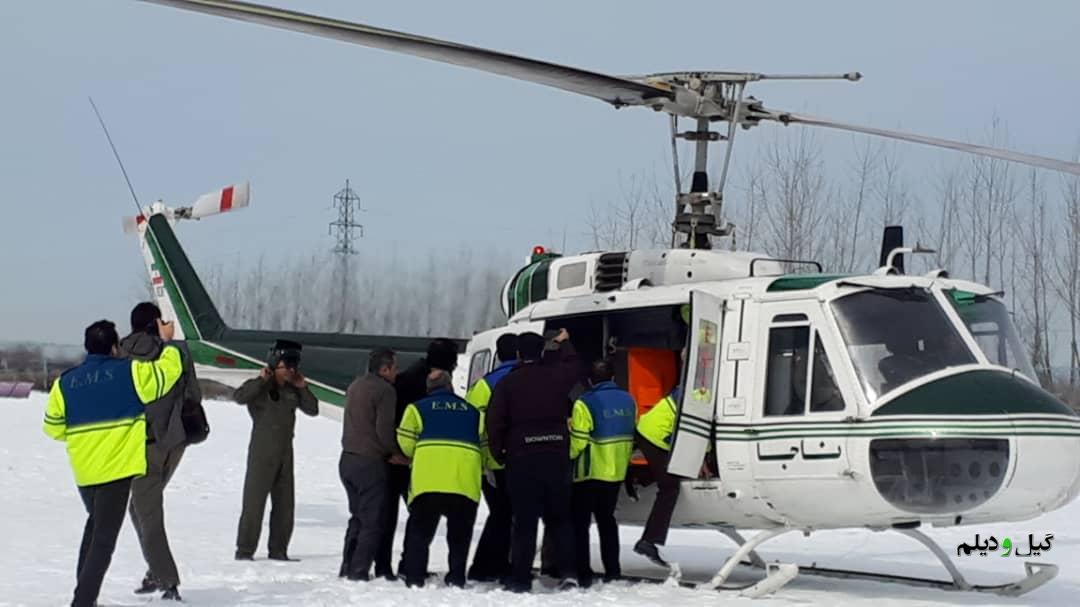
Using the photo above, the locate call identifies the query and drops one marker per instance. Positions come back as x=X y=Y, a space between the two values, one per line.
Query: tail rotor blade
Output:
x=222 y=201
x=981 y=150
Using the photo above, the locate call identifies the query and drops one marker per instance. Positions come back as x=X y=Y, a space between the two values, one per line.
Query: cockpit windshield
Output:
x=990 y=325
x=896 y=335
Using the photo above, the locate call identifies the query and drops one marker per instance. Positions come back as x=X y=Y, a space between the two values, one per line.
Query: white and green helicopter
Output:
x=815 y=401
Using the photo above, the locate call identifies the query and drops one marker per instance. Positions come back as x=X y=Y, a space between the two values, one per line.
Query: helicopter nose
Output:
x=985 y=444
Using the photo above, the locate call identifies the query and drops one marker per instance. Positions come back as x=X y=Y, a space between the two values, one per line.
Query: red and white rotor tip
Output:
x=220 y=201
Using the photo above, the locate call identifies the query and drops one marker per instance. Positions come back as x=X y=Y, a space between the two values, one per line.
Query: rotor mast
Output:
x=699 y=211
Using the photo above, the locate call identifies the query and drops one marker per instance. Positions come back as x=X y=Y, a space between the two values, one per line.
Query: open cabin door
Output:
x=697 y=408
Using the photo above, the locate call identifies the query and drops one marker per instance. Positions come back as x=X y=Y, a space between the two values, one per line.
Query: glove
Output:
x=490 y=476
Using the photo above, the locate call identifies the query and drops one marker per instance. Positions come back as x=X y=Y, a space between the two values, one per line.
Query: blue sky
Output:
x=441 y=156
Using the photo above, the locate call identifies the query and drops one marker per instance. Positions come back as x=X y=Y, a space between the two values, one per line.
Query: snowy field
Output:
x=41 y=522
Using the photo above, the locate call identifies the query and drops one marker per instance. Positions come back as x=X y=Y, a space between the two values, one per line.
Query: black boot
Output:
x=281 y=556
x=149 y=584
x=171 y=594
x=649 y=550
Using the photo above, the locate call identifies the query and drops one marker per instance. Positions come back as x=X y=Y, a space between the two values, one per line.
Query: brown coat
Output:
x=368 y=429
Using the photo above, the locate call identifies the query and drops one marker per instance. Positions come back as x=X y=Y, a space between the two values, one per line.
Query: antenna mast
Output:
x=117 y=155
x=344 y=231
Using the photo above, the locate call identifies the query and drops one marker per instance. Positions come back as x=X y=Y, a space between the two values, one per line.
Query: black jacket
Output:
x=530 y=408
x=164 y=425
x=411 y=386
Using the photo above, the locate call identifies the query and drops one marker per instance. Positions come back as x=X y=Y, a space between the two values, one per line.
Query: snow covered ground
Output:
x=41 y=520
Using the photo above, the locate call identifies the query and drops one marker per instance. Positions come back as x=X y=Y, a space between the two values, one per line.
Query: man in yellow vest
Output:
x=654 y=432
x=601 y=443
x=98 y=409
x=444 y=437
x=491 y=561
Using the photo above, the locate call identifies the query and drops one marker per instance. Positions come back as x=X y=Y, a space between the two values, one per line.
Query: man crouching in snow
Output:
x=97 y=408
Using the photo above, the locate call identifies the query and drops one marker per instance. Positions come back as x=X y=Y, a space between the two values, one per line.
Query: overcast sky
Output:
x=441 y=156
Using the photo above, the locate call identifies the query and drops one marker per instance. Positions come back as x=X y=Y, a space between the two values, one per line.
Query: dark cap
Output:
x=284 y=351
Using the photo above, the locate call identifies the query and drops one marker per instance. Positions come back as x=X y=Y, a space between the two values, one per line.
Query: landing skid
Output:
x=1036 y=574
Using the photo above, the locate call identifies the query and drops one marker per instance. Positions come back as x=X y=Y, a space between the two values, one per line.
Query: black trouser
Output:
x=540 y=486
x=596 y=499
x=105 y=505
x=667 y=492
x=424 y=514
x=269 y=475
x=364 y=479
x=397 y=489
x=549 y=554
x=148 y=513
x=491 y=561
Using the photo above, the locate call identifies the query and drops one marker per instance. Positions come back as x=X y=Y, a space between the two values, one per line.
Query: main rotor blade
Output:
x=982 y=150
x=616 y=91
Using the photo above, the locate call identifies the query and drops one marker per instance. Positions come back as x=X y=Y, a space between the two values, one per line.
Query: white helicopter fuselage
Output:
x=829 y=402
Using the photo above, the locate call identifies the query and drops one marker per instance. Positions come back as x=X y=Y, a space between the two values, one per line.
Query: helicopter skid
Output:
x=779 y=574
x=1037 y=574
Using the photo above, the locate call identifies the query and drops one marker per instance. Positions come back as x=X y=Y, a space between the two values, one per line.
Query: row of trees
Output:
x=449 y=294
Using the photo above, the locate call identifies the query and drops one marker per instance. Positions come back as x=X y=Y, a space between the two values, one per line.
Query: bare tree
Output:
x=1034 y=305
x=950 y=192
x=864 y=170
x=1068 y=271
x=749 y=217
x=795 y=196
x=893 y=195
x=640 y=217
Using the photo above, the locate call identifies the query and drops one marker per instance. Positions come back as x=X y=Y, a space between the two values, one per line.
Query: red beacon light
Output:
x=539 y=253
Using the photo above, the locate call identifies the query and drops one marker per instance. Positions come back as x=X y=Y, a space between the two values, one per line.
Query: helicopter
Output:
x=884 y=401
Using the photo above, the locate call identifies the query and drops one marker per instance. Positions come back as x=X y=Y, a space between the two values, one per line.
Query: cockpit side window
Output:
x=824 y=393
x=895 y=336
x=990 y=324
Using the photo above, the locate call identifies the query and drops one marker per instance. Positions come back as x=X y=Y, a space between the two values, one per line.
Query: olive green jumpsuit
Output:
x=270 y=462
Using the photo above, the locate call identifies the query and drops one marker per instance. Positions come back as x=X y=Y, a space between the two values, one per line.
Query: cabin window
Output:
x=785 y=384
x=571 y=275
x=799 y=380
x=478 y=366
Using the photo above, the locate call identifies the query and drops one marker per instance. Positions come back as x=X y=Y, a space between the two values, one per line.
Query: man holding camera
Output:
x=166 y=440
x=272 y=400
